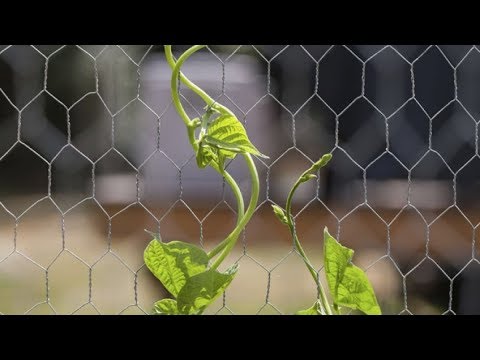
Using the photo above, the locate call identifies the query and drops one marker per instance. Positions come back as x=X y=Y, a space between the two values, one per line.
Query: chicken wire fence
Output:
x=92 y=153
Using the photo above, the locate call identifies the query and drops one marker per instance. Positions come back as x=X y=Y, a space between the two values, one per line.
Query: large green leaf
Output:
x=174 y=262
x=228 y=134
x=348 y=283
x=315 y=309
x=202 y=289
x=166 y=307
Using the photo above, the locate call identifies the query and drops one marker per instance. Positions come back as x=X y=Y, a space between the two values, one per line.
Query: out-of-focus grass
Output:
x=81 y=253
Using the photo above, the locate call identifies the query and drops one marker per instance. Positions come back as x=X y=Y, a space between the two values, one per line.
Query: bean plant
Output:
x=349 y=286
x=189 y=273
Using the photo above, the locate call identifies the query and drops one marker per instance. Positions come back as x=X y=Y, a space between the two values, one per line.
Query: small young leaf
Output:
x=348 y=283
x=307 y=177
x=205 y=155
x=174 y=262
x=202 y=289
x=229 y=135
x=166 y=307
x=316 y=309
x=280 y=213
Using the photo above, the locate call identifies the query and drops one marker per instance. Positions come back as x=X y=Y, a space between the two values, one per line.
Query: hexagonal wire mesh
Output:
x=92 y=153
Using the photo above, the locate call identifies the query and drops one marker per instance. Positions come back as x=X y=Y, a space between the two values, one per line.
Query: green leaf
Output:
x=174 y=262
x=231 y=149
x=228 y=134
x=166 y=307
x=315 y=309
x=348 y=283
x=202 y=289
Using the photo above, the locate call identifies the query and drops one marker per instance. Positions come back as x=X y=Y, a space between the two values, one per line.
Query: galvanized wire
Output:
x=99 y=61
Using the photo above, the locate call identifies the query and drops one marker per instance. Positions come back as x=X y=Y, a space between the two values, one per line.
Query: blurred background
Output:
x=92 y=153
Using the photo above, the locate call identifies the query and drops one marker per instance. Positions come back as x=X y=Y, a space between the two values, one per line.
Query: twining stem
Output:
x=189 y=123
x=171 y=61
x=226 y=245
x=290 y=223
x=238 y=196
x=231 y=239
x=175 y=95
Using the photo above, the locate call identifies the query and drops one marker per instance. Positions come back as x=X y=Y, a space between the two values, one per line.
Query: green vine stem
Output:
x=306 y=175
x=348 y=284
x=226 y=245
x=231 y=239
x=171 y=61
x=186 y=270
x=190 y=125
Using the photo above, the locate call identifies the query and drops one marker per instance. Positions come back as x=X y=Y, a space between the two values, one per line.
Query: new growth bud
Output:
x=280 y=213
x=322 y=162
x=195 y=123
